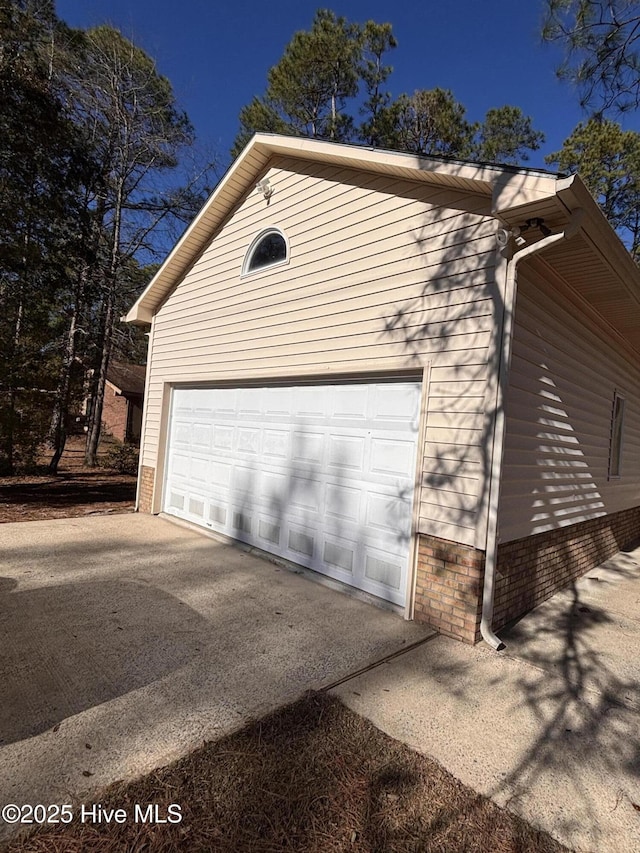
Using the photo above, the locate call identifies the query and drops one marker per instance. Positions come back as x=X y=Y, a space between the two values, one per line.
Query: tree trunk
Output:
x=9 y=467
x=9 y=443
x=58 y=430
x=100 y=378
x=95 y=426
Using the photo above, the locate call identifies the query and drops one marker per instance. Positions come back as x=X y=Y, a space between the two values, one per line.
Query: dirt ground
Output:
x=312 y=777
x=74 y=491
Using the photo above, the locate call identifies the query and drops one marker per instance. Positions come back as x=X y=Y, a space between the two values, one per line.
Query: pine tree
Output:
x=310 y=87
x=430 y=122
x=601 y=56
x=608 y=160
x=506 y=136
x=136 y=133
x=41 y=175
x=376 y=40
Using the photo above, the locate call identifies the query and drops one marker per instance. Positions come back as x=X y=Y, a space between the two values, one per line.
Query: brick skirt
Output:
x=450 y=576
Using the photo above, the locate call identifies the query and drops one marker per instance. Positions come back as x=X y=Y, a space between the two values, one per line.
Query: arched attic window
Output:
x=269 y=249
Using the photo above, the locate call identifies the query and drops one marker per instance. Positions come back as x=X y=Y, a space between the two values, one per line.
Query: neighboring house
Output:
x=418 y=377
x=123 y=396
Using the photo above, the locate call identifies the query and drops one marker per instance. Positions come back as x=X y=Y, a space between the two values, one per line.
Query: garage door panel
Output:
x=197 y=505
x=339 y=554
x=223 y=437
x=248 y=440
x=242 y=521
x=302 y=541
x=218 y=512
x=180 y=464
x=244 y=481
x=347 y=452
x=182 y=434
x=248 y=402
x=322 y=475
x=308 y=447
x=395 y=403
x=276 y=444
x=350 y=402
x=392 y=457
x=383 y=569
x=175 y=499
x=343 y=502
x=387 y=513
x=305 y=494
x=199 y=469
x=269 y=531
x=310 y=402
x=220 y=474
x=278 y=403
x=274 y=485
x=201 y=436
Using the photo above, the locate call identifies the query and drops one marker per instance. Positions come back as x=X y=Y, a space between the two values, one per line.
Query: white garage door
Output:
x=320 y=474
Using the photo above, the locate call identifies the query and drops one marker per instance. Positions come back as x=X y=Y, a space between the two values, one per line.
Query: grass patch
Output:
x=312 y=777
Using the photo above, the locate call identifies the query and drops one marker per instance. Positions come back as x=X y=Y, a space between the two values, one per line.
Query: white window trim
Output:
x=616 y=396
x=254 y=243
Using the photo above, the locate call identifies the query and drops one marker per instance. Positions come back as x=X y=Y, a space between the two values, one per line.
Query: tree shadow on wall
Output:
x=317 y=519
x=455 y=322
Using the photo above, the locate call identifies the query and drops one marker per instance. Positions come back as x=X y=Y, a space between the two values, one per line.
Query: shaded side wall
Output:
x=566 y=366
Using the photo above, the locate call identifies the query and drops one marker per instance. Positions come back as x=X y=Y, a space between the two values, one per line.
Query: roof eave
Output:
x=140 y=315
x=604 y=239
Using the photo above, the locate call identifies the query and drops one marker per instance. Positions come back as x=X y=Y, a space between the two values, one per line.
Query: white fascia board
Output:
x=514 y=191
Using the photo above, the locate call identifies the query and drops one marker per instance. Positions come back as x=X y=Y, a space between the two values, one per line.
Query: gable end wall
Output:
x=384 y=275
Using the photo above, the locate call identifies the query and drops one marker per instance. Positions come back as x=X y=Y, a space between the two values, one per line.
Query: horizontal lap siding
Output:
x=384 y=275
x=565 y=368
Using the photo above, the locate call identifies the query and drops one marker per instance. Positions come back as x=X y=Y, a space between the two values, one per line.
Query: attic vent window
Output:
x=269 y=249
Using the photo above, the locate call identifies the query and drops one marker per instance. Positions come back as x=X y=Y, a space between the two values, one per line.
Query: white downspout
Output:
x=491 y=554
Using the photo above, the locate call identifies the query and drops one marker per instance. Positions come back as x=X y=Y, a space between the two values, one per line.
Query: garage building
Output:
x=417 y=377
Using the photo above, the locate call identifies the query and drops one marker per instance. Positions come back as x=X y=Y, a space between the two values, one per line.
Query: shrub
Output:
x=122 y=458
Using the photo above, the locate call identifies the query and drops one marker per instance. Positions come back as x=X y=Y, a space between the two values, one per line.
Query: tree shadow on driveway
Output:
x=72 y=646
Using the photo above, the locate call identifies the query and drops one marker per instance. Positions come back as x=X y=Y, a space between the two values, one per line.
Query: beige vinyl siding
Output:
x=566 y=366
x=384 y=275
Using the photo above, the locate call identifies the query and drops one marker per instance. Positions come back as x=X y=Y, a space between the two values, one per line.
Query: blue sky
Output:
x=217 y=54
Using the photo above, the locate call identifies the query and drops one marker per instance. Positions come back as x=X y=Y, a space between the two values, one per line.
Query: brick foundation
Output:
x=449 y=588
x=450 y=576
x=145 y=500
x=531 y=570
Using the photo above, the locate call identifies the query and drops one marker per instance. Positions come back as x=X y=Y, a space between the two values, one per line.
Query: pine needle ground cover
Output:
x=75 y=491
x=312 y=777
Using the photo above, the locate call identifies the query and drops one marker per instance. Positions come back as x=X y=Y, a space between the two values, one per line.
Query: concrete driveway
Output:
x=550 y=727
x=126 y=640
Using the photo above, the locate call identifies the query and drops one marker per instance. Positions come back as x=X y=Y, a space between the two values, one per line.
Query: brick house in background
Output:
x=418 y=377
x=123 y=396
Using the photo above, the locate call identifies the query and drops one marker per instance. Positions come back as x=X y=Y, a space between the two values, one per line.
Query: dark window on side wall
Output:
x=617 y=428
x=269 y=249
